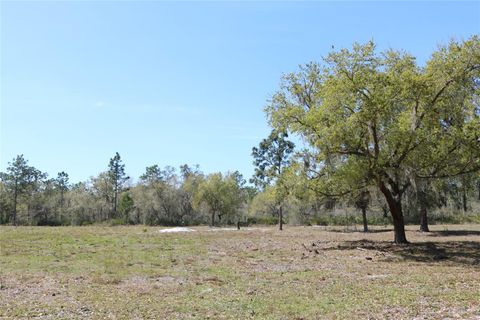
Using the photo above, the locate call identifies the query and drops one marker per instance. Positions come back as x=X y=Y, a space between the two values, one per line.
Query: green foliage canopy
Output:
x=380 y=119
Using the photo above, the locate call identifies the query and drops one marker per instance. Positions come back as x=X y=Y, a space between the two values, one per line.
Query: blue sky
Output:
x=171 y=83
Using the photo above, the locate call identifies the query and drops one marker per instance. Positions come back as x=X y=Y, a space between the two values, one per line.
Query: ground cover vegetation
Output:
x=137 y=272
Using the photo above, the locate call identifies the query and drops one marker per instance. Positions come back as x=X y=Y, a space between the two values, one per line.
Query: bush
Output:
x=52 y=222
x=269 y=220
x=454 y=219
x=116 y=222
x=342 y=220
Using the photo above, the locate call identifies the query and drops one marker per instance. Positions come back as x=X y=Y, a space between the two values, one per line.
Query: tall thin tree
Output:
x=270 y=159
x=117 y=177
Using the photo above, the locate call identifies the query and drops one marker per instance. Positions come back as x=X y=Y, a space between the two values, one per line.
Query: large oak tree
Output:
x=379 y=118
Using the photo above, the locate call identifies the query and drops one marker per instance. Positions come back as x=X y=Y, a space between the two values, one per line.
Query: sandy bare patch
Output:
x=241 y=229
x=176 y=229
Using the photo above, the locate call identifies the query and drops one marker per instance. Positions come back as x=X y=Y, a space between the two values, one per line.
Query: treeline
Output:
x=187 y=196
x=161 y=197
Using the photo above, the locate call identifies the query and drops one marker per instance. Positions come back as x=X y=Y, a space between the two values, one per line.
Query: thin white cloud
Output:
x=100 y=104
x=170 y=109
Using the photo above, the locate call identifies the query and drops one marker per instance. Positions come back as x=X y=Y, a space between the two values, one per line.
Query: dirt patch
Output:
x=48 y=297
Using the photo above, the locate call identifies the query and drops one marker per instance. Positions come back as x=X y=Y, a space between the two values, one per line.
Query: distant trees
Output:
x=126 y=206
x=222 y=195
x=158 y=196
x=265 y=205
x=55 y=201
x=101 y=188
x=117 y=178
x=5 y=204
x=270 y=159
x=61 y=183
x=362 y=201
x=18 y=180
x=166 y=196
x=163 y=197
x=384 y=120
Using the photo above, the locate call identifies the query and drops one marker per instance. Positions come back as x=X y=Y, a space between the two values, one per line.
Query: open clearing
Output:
x=300 y=273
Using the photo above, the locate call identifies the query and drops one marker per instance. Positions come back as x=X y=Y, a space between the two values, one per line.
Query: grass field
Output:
x=301 y=273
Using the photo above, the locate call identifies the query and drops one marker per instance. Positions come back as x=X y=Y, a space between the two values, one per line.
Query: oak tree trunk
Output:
x=395 y=206
x=399 y=230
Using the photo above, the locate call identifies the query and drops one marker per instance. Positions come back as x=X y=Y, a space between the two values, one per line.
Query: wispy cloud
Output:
x=170 y=109
x=100 y=104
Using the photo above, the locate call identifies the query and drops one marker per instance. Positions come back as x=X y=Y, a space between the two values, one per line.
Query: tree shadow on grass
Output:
x=446 y=233
x=360 y=230
x=448 y=253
